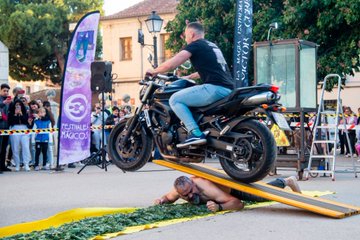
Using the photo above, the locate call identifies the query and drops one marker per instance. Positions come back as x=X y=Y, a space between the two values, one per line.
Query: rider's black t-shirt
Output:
x=210 y=63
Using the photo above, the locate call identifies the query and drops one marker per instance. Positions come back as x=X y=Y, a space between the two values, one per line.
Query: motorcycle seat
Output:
x=236 y=92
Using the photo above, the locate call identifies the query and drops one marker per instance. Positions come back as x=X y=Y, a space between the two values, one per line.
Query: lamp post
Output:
x=154 y=24
x=272 y=26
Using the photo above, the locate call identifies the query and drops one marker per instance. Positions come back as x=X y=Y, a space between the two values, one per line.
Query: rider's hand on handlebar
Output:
x=149 y=74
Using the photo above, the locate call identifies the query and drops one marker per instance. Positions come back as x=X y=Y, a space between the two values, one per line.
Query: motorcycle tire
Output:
x=264 y=161
x=140 y=150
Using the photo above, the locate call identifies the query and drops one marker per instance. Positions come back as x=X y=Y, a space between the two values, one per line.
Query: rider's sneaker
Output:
x=193 y=140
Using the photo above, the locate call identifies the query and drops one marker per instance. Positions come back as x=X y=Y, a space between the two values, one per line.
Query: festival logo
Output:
x=75 y=107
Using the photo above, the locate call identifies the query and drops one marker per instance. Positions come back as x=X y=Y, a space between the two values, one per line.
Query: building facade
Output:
x=129 y=58
x=4 y=63
x=121 y=47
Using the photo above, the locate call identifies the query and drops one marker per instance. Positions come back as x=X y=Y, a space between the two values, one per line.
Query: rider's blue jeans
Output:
x=196 y=96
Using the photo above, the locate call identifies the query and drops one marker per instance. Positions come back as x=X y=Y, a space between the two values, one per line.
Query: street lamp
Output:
x=154 y=24
x=272 y=26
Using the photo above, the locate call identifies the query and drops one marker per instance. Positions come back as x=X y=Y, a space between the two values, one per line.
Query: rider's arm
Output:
x=170 y=197
x=173 y=62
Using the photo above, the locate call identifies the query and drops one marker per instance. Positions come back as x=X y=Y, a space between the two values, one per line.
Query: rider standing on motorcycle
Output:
x=213 y=70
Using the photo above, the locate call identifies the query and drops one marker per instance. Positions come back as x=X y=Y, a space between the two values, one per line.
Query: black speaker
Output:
x=101 y=80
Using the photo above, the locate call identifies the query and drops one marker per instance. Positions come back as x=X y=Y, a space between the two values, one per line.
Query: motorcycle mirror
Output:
x=186 y=65
x=150 y=58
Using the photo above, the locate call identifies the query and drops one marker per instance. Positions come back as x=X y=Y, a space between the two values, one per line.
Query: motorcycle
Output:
x=244 y=146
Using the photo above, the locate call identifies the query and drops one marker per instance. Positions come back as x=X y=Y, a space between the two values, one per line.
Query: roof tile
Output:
x=145 y=8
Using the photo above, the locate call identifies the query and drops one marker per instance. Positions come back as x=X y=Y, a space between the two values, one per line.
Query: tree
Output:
x=333 y=24
x=37 y=35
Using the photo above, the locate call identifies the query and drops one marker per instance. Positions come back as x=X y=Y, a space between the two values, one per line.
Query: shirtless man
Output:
x=198 y=190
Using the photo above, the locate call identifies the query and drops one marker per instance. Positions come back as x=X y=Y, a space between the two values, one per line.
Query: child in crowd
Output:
x=42 y=139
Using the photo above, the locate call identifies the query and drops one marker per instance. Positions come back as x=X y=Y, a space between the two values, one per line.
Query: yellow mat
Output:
x=81 y=213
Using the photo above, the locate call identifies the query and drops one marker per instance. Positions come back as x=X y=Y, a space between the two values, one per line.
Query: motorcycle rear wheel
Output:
x=255 y=157
x=132 y=155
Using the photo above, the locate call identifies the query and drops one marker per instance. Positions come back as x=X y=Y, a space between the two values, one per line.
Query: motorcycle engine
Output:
x=167 y=137
x=182 y=134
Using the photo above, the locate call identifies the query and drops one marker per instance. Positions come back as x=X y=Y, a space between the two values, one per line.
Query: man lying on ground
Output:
x=198 y=190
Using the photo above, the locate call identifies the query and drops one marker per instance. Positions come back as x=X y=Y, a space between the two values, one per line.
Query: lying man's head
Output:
x=187 y=190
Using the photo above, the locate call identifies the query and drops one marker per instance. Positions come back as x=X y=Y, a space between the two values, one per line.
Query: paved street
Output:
x=29 y=196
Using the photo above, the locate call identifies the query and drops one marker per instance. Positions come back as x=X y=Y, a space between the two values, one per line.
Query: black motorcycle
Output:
x=245 y=147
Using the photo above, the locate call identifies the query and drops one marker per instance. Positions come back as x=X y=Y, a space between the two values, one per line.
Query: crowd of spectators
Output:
x=36 y=151
x=17 y=112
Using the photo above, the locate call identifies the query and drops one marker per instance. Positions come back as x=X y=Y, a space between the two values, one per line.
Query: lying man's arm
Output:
x=219 y=200
x=170 y=197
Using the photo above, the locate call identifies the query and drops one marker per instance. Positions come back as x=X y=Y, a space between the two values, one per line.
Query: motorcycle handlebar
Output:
x=167 y=77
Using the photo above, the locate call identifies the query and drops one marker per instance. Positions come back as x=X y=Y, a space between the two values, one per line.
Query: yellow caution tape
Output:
x=44 y=130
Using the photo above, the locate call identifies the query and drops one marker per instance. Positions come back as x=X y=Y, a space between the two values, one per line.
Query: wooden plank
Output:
x=261 y=189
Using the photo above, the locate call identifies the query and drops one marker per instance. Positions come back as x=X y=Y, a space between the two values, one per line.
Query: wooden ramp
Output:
x=317 y=205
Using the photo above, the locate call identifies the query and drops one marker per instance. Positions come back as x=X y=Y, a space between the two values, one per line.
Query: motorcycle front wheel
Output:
x=133 y=154
x=254 y=156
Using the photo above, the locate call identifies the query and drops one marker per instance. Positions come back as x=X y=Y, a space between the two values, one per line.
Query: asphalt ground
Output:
x=30 y=196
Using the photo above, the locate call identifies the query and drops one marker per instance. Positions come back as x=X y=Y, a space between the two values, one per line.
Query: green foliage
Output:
x=37 y=35
x=332 y=24
x=217 y=17
x=91 y=227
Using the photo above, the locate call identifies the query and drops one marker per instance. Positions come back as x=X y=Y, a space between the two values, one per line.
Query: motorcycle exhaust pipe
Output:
x=260 y=98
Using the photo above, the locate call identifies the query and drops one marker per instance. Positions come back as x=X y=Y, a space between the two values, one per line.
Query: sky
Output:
x=114 y=6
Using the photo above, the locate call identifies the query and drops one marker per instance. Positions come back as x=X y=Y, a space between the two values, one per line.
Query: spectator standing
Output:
x=5 y=101
x=342 y=134
x=111 y=121
x=49 y=114
x=42 y=140
x=114 y=118
x=25 y=102
x=122 y=114
x=350 y=118
x=40 y=103
x=96 y=121
x=50 y=152
x=18 y=120
x=33 y=114
x=18 y=92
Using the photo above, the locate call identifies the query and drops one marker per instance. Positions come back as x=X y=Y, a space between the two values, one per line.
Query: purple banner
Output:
x=242 y=42
x=75 y=106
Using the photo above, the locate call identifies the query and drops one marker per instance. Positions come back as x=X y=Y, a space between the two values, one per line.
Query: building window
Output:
x=28 y=90
x=165 y=53
x=125 y=49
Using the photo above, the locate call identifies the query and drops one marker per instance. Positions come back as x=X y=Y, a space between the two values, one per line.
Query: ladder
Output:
x=320 y=138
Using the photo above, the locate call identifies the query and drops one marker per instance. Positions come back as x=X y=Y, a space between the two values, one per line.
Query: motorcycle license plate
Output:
x=281 y=121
